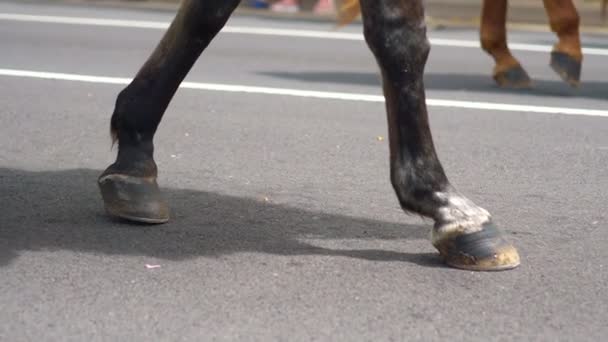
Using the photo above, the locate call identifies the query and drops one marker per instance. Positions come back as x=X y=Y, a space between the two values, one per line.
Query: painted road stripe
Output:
x=310 y=93
x=267 y=31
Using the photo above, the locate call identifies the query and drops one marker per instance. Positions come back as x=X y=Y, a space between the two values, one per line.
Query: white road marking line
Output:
x=268 y=31
x=310 y=93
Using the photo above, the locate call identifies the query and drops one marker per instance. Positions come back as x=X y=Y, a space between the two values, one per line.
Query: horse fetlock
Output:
x=135 y=161
x=492 y=41
x=416 y=190
x=136 y=114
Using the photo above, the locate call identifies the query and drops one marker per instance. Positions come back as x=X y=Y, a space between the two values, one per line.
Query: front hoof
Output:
x=483 y=250
x=132 y=198
x=515 y=77
x=567 y=67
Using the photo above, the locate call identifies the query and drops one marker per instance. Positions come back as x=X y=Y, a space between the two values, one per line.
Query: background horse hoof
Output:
x=567 y=67
x=484 y=250
x=514 y=77
x=131 y=198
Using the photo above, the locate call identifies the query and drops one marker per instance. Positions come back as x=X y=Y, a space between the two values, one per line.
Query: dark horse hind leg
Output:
x=463 y=232
x=128 y=186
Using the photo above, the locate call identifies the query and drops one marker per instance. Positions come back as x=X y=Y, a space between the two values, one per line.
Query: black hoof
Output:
x=515 y=77
x=568 y=68
x=133 y=198
x=483 y=250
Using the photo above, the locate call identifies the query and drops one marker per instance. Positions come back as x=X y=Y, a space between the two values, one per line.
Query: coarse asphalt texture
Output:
x=285 y=226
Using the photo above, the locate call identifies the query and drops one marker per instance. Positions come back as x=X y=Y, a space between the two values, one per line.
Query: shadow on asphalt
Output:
x=479 y=83
x=62 y=210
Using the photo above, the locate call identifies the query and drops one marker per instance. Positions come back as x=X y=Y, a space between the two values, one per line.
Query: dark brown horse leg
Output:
x=463 y=233
x=128 y=186
x=493 y=33
x=567 y=57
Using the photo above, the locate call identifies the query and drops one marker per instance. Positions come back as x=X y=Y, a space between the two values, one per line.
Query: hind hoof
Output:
x=567 y=67
x=515 y=77
x=484 y=250
x=131 y=198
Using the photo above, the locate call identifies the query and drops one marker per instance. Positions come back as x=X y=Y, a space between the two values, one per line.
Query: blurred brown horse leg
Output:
x=493 y=33
x=567 y=57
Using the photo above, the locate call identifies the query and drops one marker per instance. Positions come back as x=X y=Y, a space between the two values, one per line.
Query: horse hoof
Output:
x=483 y=250
x=131 y=198
x=515 y=77
x=567 y=67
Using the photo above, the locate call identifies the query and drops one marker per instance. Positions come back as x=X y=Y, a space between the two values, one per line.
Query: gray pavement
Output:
x=285 y=226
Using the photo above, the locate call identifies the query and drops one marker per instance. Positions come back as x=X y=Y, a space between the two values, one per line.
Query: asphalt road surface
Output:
x=285 y=226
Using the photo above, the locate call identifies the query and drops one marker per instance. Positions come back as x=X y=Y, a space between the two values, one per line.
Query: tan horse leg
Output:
x=507 y=71
x=567 y=57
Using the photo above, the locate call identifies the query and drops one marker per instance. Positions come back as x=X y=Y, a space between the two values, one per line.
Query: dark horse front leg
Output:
x=129 y=186
x=463 y=232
